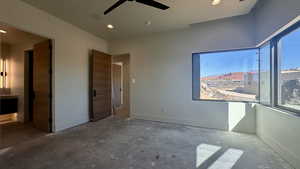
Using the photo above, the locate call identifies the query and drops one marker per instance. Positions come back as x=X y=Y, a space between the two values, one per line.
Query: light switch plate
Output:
x=133 y=80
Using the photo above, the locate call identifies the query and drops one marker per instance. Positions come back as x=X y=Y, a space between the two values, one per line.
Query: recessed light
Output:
x=110 y=26
x=2 y=31
x=215 y=2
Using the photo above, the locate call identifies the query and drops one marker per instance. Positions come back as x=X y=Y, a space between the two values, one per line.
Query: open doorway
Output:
x=121 y=85
x=118 y=91
x=25 y=86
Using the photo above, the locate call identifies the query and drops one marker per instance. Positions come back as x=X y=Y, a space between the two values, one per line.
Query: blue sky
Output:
x=247 y=60
x=227 y=62
x=290 y=52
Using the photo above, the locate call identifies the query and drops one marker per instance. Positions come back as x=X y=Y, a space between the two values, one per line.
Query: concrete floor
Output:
x=135 y=144
x=13 y=133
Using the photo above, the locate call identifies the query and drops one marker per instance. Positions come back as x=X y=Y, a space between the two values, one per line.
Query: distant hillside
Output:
x=234 y=76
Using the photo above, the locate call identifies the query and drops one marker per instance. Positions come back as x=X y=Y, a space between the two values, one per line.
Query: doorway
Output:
x=28 y=85
x=38 y=85
x=26 y=96
x=117 y=74
x=121 y=85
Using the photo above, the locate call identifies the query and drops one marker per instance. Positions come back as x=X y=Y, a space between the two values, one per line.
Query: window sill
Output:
x=283 y=110
x=224 y=101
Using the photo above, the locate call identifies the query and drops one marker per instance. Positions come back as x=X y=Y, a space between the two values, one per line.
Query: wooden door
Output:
x=117 y=85
x=100 y=85
x=42 y=117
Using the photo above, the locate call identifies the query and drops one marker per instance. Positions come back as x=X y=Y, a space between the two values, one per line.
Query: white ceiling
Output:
x=130 y=18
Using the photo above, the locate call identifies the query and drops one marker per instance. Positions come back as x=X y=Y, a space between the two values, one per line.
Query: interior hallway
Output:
x=136 y=144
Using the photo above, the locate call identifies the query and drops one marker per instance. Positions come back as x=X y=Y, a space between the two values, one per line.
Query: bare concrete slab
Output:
x=137 y=144
x=14 y=133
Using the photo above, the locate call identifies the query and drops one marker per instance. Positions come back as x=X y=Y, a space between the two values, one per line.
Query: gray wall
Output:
x=281 y=131
x=270 y=15
x=161 y=64
x=275 y=127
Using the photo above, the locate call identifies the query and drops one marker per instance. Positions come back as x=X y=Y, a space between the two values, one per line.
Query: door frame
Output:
x=126 y=82
x=51 y=121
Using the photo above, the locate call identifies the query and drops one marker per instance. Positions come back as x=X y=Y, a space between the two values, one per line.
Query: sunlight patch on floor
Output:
x=227 y=160
x=204 y=152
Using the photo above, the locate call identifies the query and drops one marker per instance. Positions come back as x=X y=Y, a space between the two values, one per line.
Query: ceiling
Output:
x=130 y=18
x=15 y=36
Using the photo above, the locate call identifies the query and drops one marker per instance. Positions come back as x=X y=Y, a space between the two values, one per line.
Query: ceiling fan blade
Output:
x=117 y=4
x=153 y=4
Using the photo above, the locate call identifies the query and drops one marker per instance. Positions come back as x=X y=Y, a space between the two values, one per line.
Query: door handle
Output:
x=33 y=95
x=94 y=93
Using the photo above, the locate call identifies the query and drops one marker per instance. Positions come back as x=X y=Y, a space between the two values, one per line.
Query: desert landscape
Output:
x=243 y=86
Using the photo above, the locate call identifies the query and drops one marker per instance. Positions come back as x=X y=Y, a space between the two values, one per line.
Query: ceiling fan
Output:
x=152 y=3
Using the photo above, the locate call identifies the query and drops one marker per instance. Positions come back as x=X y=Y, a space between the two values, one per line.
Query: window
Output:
x=288 y=62
x=269 y=74
x=265 y=74
x=229 y=75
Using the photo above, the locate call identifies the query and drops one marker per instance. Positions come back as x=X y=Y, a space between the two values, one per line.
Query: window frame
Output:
x=276 y=72
x=195 y=85
x=271 y=73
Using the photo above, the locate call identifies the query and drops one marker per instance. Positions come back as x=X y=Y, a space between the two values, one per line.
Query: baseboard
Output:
x=74 y=124
x=175 y=121
x=291 y=158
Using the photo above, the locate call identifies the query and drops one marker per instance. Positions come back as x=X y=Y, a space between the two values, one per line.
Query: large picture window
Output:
x=269 y=74
x=228 y=76
x=289 y=70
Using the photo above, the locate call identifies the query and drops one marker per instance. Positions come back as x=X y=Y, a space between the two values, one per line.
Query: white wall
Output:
x=161 y=63
x=70 y=58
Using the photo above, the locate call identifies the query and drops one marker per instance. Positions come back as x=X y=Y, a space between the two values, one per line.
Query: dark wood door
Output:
x=42 y=116
x=117 y=85
x=100 y=85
